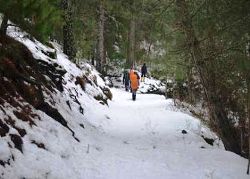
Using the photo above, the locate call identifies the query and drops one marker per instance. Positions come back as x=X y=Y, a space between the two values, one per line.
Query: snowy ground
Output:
x=143 y=139
x=139 y=139
x=149 y=85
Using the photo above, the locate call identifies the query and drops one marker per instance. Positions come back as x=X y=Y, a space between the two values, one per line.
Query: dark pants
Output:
x=127 y=85
x=133 y=95
x=143 y=74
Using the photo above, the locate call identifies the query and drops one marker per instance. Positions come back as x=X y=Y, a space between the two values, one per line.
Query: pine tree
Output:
x=68 y=36
x=36 y=17
x=100 y=46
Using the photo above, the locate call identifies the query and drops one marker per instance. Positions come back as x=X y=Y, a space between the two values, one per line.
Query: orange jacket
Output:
x=134 y=81
x=131 y=72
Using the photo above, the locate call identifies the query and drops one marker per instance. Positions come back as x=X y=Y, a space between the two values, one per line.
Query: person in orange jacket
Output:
x=134 y=83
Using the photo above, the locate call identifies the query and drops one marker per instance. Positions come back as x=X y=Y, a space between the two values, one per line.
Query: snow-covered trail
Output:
x=146 y=117
x=143 y=140
x=129 y=139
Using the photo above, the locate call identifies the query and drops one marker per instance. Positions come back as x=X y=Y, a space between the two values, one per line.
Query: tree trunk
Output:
x=100 y=47
x=248 y=114
x=217 y=113
x=131 y=43
x=68 y=37
x=4 y=25
x=191 y=96
x=92 y=54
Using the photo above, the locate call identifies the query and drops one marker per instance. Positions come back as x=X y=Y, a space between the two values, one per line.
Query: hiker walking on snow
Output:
x=126 y=80
x=143 y=72
x=134 y=83
x=131 y=72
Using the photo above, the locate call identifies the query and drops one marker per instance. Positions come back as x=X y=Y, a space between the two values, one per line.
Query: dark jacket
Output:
x=125 y=78
x=144 y=69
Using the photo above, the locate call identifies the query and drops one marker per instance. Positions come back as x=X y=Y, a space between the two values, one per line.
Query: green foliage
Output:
x=216 y=44
x=37 y=17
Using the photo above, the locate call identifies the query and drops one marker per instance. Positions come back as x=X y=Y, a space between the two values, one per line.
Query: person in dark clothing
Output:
x=126 y=80
x=143 y=72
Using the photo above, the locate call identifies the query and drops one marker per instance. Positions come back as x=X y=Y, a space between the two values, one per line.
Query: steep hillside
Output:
x=43 y=97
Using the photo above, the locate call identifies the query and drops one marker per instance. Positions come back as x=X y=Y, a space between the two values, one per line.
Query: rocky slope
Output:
x=43 y=97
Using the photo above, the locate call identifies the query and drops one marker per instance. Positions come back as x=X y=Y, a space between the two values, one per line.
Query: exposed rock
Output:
x=4 y=129
x=53 y=113
x=39 y=145
x=24 y=117
x=184 y=131
x=101 y=99
x=18 y=142
x=81 y=81
x=107 y=92
x=209 y=141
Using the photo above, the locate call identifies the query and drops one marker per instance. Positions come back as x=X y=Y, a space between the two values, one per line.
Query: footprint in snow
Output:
x=125 y=142
x=98 y=149
x=107 y=117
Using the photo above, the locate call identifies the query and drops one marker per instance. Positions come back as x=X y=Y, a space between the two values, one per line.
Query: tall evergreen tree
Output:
x=100 y=46
x=36 y=17
x=68 y=35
